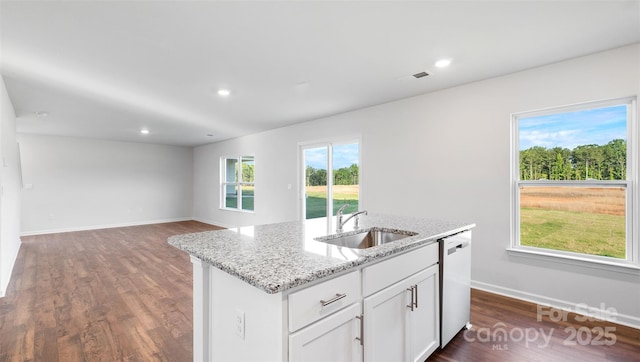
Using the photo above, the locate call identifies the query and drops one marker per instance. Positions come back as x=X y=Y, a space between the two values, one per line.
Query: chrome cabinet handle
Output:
x=416 y=286
x=414 y=297
x=411 y=304
x=332 y=300
x=361 y=338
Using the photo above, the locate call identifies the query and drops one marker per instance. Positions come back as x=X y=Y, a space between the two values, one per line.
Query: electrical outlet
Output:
x=239 y=325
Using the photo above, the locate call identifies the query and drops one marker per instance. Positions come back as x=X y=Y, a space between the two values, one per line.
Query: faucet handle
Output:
x=341 y=209
x=356 y=219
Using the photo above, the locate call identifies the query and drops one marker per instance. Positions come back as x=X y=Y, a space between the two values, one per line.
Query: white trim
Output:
x=238 y=183
x=575 y=183
x=630 y=184
x=633 y=169
x=571 y=259
x=330 y=184
x=237 y=210
x=214 y=223
x=622 y=319
x=602 y=103
x=13 y=259
x=201 y=309
x=105 y=226
x=329 y=144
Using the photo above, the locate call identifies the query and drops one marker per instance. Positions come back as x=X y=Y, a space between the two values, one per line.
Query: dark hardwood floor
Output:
x=120 y=294
x=124 y=294
x=507 y=329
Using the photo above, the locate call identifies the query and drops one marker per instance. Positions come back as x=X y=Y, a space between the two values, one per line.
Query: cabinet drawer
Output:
x=306 y=306
x=390 y=271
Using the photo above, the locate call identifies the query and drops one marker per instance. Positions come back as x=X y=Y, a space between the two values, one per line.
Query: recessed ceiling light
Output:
x=223 y=92
x=41 y=114
x=443 y=63
x=144 y=131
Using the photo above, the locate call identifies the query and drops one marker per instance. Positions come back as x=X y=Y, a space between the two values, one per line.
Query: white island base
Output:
x=380 y=311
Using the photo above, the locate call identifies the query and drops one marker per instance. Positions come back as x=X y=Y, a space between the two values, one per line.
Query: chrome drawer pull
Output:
x=334 y=299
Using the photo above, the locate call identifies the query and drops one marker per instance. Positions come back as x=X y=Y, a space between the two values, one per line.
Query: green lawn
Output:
x=317 y=201
x=317 y=206
x=581 y=232
x=247 y=199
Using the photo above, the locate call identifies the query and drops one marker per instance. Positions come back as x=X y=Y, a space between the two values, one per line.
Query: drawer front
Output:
x=310 y=304
x=385 y=273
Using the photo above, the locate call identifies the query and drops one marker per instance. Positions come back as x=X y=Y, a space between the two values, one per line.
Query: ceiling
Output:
x=109 y=69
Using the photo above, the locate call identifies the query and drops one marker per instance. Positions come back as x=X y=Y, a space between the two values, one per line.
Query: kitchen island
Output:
x=273 y=292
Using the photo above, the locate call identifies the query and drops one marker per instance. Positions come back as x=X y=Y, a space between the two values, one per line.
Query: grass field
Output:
x=342 y=194
x=248 y=193
x=582 y=220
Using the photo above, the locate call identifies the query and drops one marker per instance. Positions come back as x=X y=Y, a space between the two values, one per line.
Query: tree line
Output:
x=585 y=162
x=341 y=176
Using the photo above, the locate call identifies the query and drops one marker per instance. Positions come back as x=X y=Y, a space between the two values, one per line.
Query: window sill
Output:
x=620 y=267
x=238 y=210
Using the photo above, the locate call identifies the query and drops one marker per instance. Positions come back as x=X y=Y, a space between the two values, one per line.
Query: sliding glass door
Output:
x=331 y=178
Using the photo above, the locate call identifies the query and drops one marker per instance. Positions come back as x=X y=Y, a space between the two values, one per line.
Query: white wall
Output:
x=10 y=197
x=449 y=152
x=78 y=183
x=276 y=166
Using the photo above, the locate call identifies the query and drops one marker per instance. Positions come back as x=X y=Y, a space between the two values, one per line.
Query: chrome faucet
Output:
x=341 y=222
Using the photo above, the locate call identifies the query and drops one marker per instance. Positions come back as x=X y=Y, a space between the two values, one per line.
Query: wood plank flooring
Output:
x=120 y=294
x=124 y=294
x=507 y=329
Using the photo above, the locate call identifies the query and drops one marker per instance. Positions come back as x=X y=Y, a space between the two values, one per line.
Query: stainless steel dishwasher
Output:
x=455 y=285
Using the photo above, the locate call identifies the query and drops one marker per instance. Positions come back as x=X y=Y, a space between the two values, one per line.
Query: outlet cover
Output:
x=239 y=325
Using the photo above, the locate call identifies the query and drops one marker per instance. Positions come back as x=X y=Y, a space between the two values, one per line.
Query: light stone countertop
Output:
x=277 y=257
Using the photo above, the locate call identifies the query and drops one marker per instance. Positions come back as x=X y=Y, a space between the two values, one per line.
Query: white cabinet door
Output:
x=393 y=330
x=423 y=324
x=334 y=338
x=385 y=324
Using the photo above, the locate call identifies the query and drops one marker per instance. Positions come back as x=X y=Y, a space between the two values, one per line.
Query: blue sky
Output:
x=568 y=130
x=343 y=156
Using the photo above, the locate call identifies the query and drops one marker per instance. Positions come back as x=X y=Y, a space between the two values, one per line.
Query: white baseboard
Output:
x=104 y=226
x=4 y=284
x=580 y=308
x=214 y=223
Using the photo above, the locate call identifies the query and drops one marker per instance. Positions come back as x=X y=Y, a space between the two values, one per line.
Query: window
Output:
x=573 y=172
x=331 y=169
x=238 y=188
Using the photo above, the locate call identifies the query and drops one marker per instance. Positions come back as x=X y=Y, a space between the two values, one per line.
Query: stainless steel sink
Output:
x=366 y=238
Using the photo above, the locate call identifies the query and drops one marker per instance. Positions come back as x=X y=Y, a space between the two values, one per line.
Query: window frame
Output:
x=238 y=183
x=330 y=144
x=632 y=258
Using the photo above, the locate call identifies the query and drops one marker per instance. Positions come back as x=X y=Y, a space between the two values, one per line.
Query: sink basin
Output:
x=366 y=238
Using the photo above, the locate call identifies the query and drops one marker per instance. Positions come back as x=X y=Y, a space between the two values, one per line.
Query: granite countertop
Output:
x=277 y=257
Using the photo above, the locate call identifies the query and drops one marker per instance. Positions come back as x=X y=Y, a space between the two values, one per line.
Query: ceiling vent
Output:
x=420 y=75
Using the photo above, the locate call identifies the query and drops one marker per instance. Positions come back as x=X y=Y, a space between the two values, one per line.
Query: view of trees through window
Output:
x=344 y=179
x=572 y=180
x=584 y=162
x=238 y=187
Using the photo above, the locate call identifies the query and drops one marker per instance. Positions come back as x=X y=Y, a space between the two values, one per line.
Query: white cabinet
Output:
x=334 y=338
x=321 y=300
x=423 y=324
x=385 y=311
x=401 y=321
x=329 y=314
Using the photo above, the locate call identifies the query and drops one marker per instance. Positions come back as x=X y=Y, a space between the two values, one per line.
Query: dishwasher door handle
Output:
x=459 y=246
